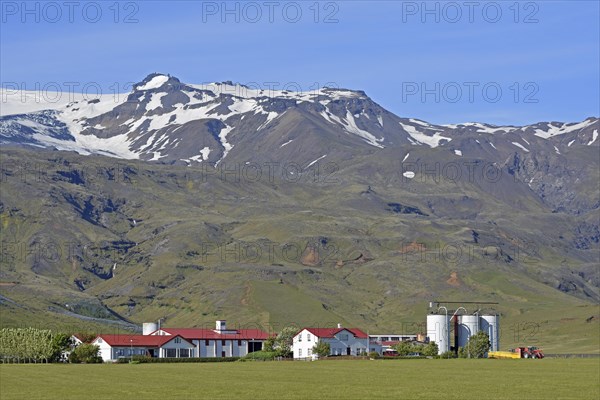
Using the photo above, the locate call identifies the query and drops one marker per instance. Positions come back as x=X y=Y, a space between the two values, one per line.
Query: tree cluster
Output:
x=477 y=346
x=32 y=345
x=282 y=343
x=406 y=348
x=86 y=354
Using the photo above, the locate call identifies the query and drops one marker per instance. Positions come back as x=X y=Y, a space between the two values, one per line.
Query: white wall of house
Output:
x=105 y=349
x=219 y=347
x=178 y=347
x=124 y=351
x=215 y=347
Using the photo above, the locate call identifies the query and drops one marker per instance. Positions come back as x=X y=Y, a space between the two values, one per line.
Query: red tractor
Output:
x=529 y=352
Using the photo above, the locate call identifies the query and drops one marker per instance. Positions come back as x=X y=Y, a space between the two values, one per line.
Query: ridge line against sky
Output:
x=503 y=62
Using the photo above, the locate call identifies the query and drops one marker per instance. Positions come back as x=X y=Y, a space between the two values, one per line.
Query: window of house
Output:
x=344 y=337
x=300 y=337
x=177 y=340
x=185 y=353
x=299 y=352
x=99 y=340
x=206 y=342
x=222 y=342
x=308 y=337
x=171 y=353
x=239 y=342
x=309 y=352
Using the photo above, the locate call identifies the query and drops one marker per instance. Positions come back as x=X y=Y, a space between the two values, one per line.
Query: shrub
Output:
x=322 y=349
x=85 y=353
x=260 y=356
x=476 y=347
x=374 y=355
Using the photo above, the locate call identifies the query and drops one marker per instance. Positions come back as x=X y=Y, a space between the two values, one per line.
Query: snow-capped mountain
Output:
x=165 y=120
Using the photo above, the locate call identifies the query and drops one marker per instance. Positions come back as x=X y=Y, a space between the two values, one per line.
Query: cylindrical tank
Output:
x=149 y=327
x=438 y=331
x=468 y=325
x=490 y=324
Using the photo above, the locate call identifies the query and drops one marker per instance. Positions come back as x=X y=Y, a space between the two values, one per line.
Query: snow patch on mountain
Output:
x=353 y=128
x=431 y=141
x=226 y=145
x=594 y=137
x=315 y=161
x=555 y=129
x=520 y=146
x=154 y=83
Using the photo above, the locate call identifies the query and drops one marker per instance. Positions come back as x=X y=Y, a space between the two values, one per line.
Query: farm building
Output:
x=113 y=347
x=182 y=342
x=342 y=341
x=219 y=342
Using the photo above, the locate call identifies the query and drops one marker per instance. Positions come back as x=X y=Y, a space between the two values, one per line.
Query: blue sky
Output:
x=445 y=62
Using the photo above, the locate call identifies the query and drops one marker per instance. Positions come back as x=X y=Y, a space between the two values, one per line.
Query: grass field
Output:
x=382 y=379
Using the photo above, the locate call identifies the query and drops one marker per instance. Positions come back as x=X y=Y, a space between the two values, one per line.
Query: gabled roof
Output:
x=204 y=334
x=138 y=340
x=331 y=332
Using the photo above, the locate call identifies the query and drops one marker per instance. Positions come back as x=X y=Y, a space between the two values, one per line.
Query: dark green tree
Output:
x=431 y=349
x=284 y=341
x=269 y=344
x=61 y=342
x=85 y=353
x=321 y=348
x=477 y=346
x=404 y=348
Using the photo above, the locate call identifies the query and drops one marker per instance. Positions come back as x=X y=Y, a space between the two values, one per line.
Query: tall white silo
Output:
x=149 y=327
x=490 y=324
x=468 y=325
x=438 y=331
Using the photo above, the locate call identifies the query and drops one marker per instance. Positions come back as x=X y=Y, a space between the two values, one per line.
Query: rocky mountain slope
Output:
x=193 y=202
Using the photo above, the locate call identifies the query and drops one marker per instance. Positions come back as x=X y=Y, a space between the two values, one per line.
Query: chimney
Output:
x=339 y=325
x=221 y=325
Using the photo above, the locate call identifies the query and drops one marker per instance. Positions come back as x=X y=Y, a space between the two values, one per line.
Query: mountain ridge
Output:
x=165 y=120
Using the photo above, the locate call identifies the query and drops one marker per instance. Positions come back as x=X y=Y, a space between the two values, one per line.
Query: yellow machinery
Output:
x=503 y=354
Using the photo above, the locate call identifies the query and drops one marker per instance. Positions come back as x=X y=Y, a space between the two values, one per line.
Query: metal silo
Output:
x=149 y=327
x=490 y=324
x=438 y=331
x=468 y=326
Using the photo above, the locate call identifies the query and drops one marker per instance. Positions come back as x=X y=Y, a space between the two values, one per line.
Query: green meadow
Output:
x=375 y=379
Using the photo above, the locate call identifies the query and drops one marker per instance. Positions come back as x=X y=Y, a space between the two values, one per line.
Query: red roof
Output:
x=235 y=334
x=331 y=332
x=137 y=340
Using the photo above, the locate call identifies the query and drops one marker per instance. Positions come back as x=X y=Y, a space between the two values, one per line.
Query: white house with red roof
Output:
x=113 y=347
x=342 y=342
x=219 y=342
